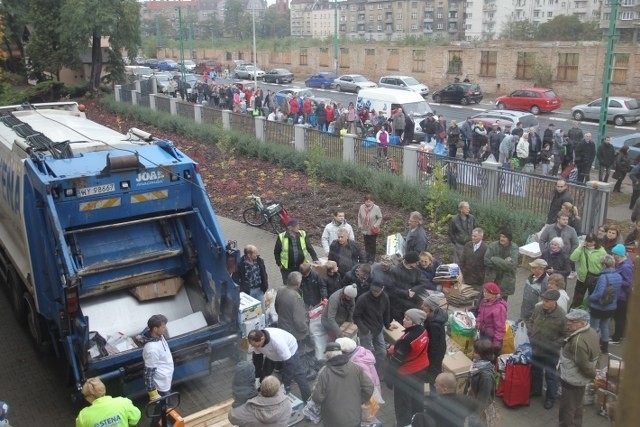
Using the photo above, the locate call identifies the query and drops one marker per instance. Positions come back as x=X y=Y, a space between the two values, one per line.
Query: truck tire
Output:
x=253 y=217
x=36 y=325
x=16 y=292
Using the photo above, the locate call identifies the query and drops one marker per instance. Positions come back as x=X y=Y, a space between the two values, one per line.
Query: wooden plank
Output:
x=215 y=415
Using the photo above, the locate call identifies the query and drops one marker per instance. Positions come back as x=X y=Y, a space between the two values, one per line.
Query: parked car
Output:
x=404 y=83
x=139 y=60
x=323 y=80
x=151 y=63
x=168 y=65
x=352 y=83
x=535 y=100
x=278 y=75
x=621 y=110
x=189 y=65
x=632 y=141
x=504 y=117
x=162 y=81
x=205 y=66
x=461 y=93
x=281 y=95
x=248 y=72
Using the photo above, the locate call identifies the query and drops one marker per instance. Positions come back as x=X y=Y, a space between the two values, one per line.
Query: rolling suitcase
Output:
x=515 y=385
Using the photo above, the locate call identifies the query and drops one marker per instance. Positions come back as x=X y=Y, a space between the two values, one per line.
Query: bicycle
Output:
x=385 y=164
x=261 y=213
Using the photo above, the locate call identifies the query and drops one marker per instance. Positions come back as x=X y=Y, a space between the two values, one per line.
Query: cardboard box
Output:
x=186 y=324
x=159 y=289
x=456 y=363
x=251 y=325
x=249 y=307
x=392 y=335
x=349 y=329
x=452 y=346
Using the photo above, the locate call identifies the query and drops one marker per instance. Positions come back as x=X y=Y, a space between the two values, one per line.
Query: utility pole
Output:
x=606 y=78
x=191 y=55
x=335 y=36
x=184 y=78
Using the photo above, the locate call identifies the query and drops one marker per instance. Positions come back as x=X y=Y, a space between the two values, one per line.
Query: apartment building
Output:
x=323 y=16
x=628 y=22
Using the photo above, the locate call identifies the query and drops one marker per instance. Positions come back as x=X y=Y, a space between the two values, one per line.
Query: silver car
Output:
x=404 y=83
x=248 y=72
x=352 y=83
x=621 y=110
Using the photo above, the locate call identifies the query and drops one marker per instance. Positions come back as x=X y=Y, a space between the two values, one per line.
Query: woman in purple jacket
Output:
x=492 y=316
x=624 y=267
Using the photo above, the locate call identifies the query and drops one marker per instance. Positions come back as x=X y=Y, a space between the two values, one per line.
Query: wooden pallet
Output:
x=213 y=416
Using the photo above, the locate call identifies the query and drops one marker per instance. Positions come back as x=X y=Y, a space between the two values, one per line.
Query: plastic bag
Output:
x=270 y=304
x=312 y=412
x=318 y=336
x=463 y=330
x=491 y=158
x=508 y=342
x=369 y=410
x=521 y=336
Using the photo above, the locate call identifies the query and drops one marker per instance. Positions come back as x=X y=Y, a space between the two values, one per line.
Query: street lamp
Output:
x=335 y=36
x=182 y=71
x=255 y=52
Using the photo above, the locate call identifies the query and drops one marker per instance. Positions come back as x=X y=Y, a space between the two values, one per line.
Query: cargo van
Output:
x=385 y=100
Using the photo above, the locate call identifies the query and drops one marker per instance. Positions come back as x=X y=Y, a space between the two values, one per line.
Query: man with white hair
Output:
x=339 y=310
x=341 y=389
x=578 y=360
x=561 y=229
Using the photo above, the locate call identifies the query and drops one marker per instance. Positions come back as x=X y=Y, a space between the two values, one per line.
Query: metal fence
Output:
x=244 y=123
x=125 y=93
x=143 y=100
x=279 y=133
x=463 y=176
x=330 y=144
x=146 y=86
x=163 y=104
x=212 y=115
x=185 y=109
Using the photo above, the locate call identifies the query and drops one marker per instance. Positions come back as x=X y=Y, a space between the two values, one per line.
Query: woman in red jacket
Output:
x=408 y=363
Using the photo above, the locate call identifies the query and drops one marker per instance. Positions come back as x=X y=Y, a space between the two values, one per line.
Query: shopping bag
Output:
x=463 y=330
x=566 y=171
x=508 y=342
x=394 y=140
x=520 y=336
x=369 y=410
x=516 y=389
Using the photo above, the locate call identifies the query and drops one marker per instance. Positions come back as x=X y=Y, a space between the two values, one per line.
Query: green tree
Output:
x=235 y=19
x=88 y=21
x=568 y=27
x=13 y=15
x=519 y=30
x=274 y=23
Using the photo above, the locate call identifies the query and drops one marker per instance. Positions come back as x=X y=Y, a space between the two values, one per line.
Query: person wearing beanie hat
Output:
x=341 y=389
x=546 y=332
x=501 y=263
x=434 y=325
x=578 y=360
x=603 y=301
x=624 y=267
x=407 y=367
x=366 y=360
x=492 y=316
x=339 y=309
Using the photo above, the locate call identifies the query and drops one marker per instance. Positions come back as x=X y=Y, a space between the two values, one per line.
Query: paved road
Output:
x=33 y=385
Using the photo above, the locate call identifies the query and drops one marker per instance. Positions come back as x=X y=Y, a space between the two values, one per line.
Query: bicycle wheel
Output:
x=254 y=217
x=276 y=223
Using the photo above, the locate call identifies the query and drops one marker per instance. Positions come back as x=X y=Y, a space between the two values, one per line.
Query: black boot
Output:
x=604 y=347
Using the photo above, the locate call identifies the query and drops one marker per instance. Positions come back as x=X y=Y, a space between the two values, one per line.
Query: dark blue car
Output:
x=322 y=80
x=168 y=65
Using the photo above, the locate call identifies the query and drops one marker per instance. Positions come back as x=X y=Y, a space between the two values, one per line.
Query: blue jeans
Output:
x=544 y=364
x=259 y=295
x=375 y=344
x=601 y=324
x=292 y=370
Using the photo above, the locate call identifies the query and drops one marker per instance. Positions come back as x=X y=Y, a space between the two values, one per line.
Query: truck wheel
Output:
x=37 y=329
x=253 y=217
x=16 y=291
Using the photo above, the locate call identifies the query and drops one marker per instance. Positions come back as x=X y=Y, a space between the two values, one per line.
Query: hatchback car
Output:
x=404 y=83
x=323 y=80
x=248 y=72
x=632 y=141
x=507 y=117
x=205 y=67
x=352 y=83
x=621 y=110
x=462 y=93
x=151 y=63
x=168 y=65
x=535 y=100
x=278 y=75
x=189 y=65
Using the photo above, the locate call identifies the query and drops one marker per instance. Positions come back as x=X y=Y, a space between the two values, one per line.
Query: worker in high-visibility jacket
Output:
x=293 y=249
x=105 y=410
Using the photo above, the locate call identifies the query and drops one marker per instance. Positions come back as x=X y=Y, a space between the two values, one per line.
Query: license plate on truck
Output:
x=98 y=189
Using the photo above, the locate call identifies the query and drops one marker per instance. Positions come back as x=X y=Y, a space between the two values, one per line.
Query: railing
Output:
x=146 y=86
x=485 y=183
x=279 y=133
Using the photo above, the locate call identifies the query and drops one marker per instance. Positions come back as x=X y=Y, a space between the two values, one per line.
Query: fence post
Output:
x=137 y=83
x=173 y=107
x=152 y=102
x=410 y=163
x=298 y=136
x=260 y=124
x=349 y=148
x=596 y=204
x=117 y=89
x=226 y=120
x=491 y=182
x=154 y=85
x=197 y=111
x=134 y=97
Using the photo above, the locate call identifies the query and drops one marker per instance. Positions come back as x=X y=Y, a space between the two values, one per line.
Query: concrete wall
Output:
x=588 y=84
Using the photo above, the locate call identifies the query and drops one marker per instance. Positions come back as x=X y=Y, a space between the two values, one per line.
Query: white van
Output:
x=384 y=101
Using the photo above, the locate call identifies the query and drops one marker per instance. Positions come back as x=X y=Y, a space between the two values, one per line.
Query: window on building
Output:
x=620 y=67
x=549 y=14
x=524 y=65
x=353 y=18
x=352 y=7
x=393 y=61
x=488 y=63
x=419 y=60
x=414 y=27
x=344 y=57
x=380 y=17
x=468 y=15
x=568 y=67
x=455 y=62
x=371 y=17
x=323 y=61
x=371 y=7
x=626 y=16
x=439 y=26
x=388 y=27
x=379 y=6
x=414 y=4
x=439 y=15
x=399 y=16
x=303 y=56
x=371 y=27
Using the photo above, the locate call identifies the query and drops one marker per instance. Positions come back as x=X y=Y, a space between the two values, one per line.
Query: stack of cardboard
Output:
x=349 y=329
x=459 y=365
x=462 y=296
x=250 y=315
x=159 y=289
x=393 y=335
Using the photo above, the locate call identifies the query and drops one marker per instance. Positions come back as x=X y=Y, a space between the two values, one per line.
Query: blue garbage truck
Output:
x=99 y=230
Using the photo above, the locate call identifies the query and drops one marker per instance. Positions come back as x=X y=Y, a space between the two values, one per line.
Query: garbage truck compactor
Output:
x=100 y=230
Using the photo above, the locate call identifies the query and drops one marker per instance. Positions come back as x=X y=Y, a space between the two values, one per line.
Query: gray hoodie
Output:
x=262 y=411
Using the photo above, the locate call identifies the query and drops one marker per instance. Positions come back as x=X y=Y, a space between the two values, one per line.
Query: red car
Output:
x=534 y=99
